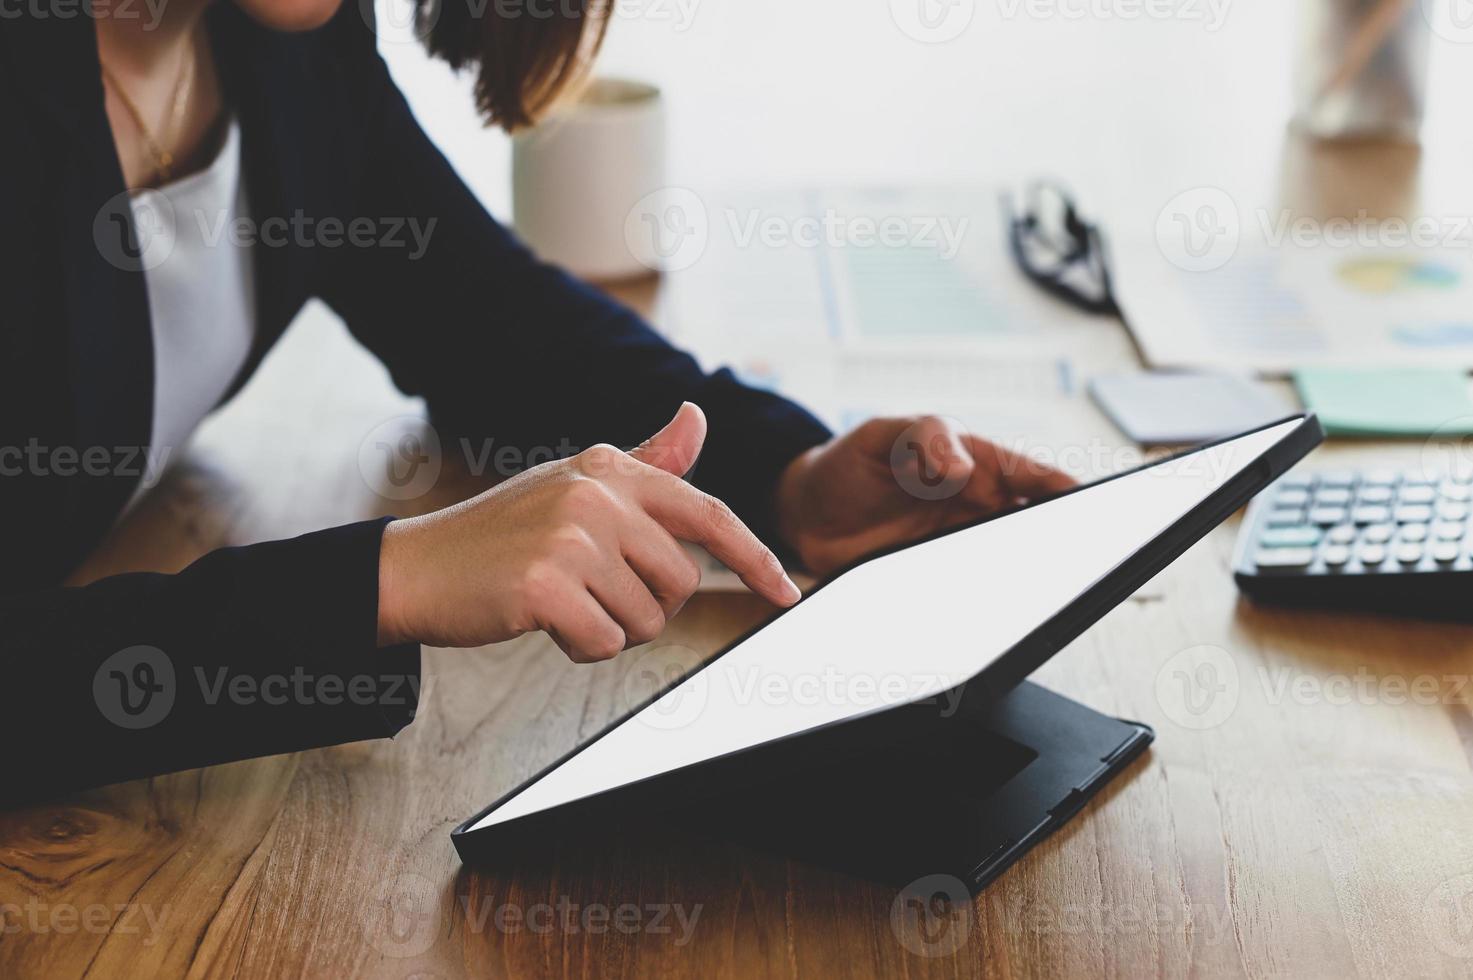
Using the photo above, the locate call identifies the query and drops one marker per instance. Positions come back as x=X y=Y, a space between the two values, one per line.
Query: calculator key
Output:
x=1336 y=555
x=1415 y=514
x=1371 y=554
x=1414 y=532
x=1452 y=490
x=1445 y=551
x=1292 y=498
x=1341 y=534
x=1449 y=531
x=1297 y=481
x=1371 y=515
x=1303 y=536
x=1416 y=478
x=1331 y=497
x=1374 y=495
x=1417 y=495
x=1337 y=478
x=1450 y=511
x=1285 y=558
x=1328 y=515
x=1379 y=478
x=1285 y=518
x=1378 y=534
x=1409 y=554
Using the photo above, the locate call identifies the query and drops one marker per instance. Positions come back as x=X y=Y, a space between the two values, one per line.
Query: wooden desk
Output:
x=1317 y=830
x=1320 y=828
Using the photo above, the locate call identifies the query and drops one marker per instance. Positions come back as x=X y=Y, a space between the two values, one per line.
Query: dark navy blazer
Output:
x=500 y=346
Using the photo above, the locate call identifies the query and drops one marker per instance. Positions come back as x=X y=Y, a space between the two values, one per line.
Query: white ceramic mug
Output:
x=578 y=175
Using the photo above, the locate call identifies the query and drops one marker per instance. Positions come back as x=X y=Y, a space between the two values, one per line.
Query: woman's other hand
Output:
x=893 y=480
x=586 y=549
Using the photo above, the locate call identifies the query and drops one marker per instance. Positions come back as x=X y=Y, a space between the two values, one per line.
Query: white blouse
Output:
x=201 y=291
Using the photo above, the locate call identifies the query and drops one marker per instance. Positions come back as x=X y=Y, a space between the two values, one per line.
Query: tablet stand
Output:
x=962 y=788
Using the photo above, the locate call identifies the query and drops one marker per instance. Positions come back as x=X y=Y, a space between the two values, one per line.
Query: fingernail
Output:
x=793 y=592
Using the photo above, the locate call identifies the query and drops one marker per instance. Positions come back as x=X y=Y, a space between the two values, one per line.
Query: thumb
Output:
x=675 y=447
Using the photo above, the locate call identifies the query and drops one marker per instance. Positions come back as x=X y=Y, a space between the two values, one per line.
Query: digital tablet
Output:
x=973 y=609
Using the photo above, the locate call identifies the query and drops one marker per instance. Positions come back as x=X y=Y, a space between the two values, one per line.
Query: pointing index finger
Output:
x=692 y=515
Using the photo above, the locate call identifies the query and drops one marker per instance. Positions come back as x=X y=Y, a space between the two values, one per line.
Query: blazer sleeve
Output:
x=249 y=651
x=504 y=347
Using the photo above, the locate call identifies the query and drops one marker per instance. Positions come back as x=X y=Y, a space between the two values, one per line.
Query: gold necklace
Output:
x=163 y=158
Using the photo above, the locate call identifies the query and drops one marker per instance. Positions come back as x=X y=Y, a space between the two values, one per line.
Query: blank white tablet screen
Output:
x=897 y=629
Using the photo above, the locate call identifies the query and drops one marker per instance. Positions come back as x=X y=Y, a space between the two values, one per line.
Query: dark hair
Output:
x=527 y=52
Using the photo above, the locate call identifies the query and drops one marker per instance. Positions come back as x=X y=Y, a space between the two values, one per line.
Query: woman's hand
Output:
x=585 y=548
x=895 y=480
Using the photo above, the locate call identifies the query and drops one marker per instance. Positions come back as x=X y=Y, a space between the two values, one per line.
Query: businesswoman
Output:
x=278 y=115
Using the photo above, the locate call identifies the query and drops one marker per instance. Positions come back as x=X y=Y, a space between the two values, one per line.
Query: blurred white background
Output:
x=776 y=92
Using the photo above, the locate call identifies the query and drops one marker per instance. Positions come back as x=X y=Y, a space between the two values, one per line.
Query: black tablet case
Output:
x=960 y=785
x=963 y=794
